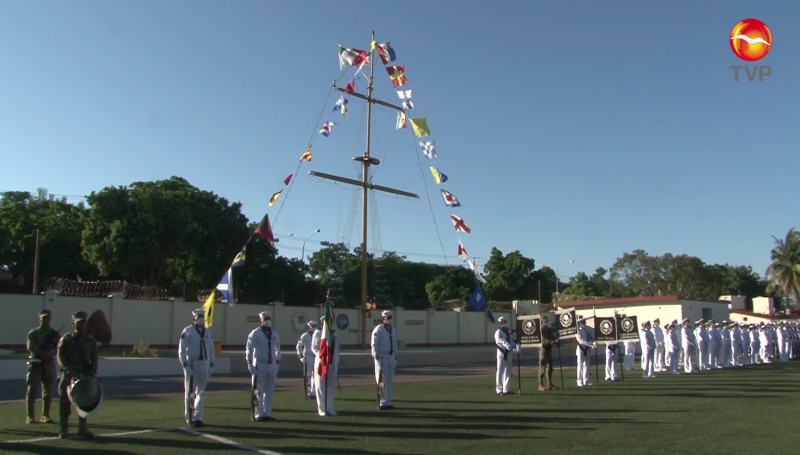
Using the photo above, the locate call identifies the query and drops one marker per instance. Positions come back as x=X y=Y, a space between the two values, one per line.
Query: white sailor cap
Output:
x=645 y=323
x=312 y=323
x=581 y=320
x=675 y=321
x=656 y=320
x=264 y=315
x=385 y=313
x=685 y=320
x=700 y=321
x=198 y=312
x=502 y=319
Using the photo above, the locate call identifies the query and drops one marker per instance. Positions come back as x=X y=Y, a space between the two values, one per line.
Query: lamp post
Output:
x=572 y=261
x=303 y=254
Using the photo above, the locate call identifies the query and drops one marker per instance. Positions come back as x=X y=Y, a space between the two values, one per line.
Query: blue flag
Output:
x=224 y=287
x=478 y=299
x=238 y=261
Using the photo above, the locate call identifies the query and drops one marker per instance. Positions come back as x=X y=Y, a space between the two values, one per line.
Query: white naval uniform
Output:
x=764 y=339
x=725 y=350
x=504 y=361
x=667 y=350
x=585 y=344
x=630 y=353
x=701 y=335
x=648 y=351
x=688 y=343
x=736 y=347
x=196 y=354
x=715 y=343
x=658 y=362
x=754 y=347
x=384 y=351
x=674 y=350
x=325 y=386
x=782 y=343
x=745 y=335
x=611 y=361
x=307 y=358
x=263 y=355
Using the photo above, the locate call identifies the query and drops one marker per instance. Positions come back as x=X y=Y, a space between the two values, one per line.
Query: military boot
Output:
x=29 y=418
x=82 y=430
x=541 y=384
x=64 y=433
x=46 y=413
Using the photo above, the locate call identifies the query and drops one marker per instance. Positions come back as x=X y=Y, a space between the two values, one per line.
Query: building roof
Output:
x=634 y=300
x=794 y=315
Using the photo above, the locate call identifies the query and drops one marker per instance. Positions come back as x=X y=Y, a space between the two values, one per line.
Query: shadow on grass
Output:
x=46 y=450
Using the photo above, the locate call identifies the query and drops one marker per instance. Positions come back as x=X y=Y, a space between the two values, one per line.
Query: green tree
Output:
x=163 y=233
x=60 y=225
x=783 y=274
x=508 y=277
x=455 y=283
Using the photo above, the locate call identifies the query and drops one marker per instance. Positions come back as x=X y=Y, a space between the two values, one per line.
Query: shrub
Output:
x=98 y=326
x=142 y=350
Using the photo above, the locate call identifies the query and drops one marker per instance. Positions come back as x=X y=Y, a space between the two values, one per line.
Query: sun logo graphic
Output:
x=751 y=40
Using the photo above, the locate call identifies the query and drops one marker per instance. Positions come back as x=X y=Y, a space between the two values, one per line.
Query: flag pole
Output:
x=596 y=366
x=560 y=366
x=519 y=366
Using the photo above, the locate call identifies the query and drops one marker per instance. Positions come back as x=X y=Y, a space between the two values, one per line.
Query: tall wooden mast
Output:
x=366 y=162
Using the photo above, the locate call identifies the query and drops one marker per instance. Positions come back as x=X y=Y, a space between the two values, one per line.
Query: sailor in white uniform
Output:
x=326 y=386
x=674 y=347
x=658 y=361
x=505 y=346
x=307 y=358
x=196 y=354
x=585 y=344
x=384 y=351
x=630 y=354
x=263 y=355
x=689 y=345
x=648 y=350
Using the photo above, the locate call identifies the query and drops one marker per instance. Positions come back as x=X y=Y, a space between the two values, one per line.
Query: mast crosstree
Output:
x=366 y=162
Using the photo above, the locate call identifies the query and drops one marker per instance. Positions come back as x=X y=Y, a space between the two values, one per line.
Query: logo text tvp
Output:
x=762 y=71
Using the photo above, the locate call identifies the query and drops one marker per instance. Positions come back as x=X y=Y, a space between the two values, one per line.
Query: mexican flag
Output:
x=325 y=352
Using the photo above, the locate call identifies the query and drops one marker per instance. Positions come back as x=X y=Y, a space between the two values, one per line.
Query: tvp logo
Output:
x=751 y=40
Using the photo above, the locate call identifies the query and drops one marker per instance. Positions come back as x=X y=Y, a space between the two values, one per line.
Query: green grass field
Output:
x=748 y=410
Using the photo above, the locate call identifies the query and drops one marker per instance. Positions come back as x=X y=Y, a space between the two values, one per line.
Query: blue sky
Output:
x=569 y=130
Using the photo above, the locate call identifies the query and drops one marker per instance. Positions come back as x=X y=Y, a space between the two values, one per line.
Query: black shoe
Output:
x=269 y=419
x=198 y=423
x=385 y=408
x=506 y=393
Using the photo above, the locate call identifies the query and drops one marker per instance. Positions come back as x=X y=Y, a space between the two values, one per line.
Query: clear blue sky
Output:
x=569 y=130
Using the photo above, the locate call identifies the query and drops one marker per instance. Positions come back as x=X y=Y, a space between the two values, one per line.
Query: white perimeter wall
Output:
x=159 y=323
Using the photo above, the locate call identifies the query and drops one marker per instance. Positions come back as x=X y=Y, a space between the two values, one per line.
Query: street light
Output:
x=572 y=261
x=303 y=254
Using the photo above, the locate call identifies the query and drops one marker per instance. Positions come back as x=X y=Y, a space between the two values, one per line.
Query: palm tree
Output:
x=784 y=272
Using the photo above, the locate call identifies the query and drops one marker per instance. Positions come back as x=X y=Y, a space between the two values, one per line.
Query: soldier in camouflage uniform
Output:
x=77 y=354
x=42 y=343
x=549 y=339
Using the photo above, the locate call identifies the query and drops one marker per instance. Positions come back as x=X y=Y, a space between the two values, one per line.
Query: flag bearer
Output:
x=505 y=346
x=307 y=358
x=326 y=386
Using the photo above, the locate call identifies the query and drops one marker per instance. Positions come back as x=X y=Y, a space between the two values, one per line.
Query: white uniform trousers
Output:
x=310 y=367
x=659 y=360
x=611 y=366
x=325 y=394
x=199 y=380
x=583 y=366
x=630 y=352
x=266 y=374
x=765 y=353
x=727 y=358
x=735 y=352
x=702 y=355
x=647 y=362
x=784 y=348
x=714 y=356
x=673 y=361
x=505 y=369
x=387 y=363
x=688 y=367
x=753 y=354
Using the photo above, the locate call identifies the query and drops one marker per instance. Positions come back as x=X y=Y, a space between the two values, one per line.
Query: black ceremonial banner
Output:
x=567 y=325
x=627 y=328
x=529 y=329
x=606 y=329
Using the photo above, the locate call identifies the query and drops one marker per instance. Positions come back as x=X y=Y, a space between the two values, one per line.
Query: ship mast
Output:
x=366 y=162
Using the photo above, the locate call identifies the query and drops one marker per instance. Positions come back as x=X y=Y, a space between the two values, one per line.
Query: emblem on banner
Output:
x=565 y=319
x=606 y=327
x=627 y=325
x=529 y=328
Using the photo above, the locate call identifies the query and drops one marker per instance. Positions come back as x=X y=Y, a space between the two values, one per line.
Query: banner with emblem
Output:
x=627 y=328
x=606 y=329
x=567 y=322
x=529 y=330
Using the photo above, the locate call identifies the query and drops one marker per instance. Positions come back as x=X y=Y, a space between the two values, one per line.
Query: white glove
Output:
x=516 y=349
x=251 y=369
x=594 y=345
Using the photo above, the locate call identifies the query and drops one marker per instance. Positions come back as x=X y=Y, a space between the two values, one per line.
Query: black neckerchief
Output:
x=202 y=333
x=391 y=345
x=268 y=333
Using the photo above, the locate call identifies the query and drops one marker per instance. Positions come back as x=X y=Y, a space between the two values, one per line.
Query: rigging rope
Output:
x=430 y=204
